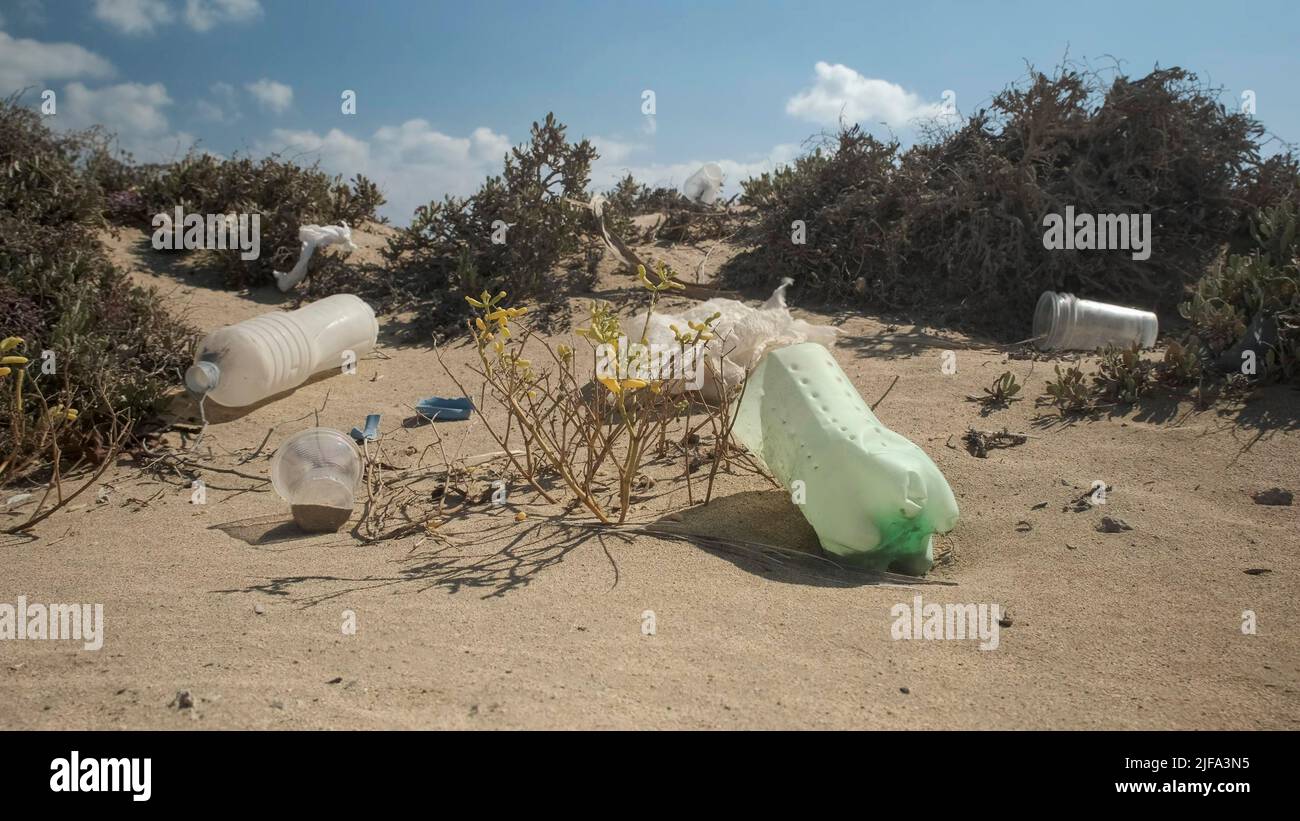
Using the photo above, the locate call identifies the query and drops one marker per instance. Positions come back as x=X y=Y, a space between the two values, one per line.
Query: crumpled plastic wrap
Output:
x=743 y=334
x=313 y=237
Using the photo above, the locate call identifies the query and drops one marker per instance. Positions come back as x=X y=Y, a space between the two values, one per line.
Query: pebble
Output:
x=1113 y=524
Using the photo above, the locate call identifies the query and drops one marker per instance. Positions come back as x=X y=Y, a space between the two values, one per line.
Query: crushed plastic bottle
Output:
x=874 y=498
x=242 y=364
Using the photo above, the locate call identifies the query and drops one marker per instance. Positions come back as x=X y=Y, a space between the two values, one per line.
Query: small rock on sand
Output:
x=1113 y=524
x=183 y=700
x=1275 y=496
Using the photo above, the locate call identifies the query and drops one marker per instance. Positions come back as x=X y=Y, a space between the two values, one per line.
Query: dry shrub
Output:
x=954 y=225
x=681 y=219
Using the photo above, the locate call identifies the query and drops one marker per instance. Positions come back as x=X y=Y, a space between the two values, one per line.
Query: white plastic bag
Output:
x=313 y=236
x=742 y=335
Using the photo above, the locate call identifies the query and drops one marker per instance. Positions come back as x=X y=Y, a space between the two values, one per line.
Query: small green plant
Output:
x=1122 y=374
x=1182 y=364
x=1001 y=393
x=1069 y=390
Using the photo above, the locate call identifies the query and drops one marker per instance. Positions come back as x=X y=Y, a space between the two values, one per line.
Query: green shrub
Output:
x=285 y=194
x=115 y=350
x=1260 y=288
x=448 y=252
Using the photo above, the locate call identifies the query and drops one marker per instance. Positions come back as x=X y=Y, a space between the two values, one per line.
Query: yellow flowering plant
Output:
x=579 y=417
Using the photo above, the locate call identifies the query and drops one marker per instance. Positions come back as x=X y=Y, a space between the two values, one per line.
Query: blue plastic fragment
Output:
x=371 y=433
x=444 y=410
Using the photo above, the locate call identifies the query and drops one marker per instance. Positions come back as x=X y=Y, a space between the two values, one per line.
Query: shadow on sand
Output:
x=760 y=532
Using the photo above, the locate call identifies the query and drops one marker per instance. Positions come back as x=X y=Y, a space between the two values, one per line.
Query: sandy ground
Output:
x=530 y=625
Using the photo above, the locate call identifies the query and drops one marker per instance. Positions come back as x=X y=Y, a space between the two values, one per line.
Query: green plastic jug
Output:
x=874 y=498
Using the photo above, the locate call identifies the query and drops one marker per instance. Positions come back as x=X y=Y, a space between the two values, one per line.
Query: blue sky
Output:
x=443 y=88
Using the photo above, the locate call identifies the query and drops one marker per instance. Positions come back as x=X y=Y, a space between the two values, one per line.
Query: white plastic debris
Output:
x=704 y=185
x=313 y=236
x=742 y=335
x=19 y=499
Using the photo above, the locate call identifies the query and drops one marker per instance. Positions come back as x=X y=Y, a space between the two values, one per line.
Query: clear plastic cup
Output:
x=317 y=472
x=1065 y=322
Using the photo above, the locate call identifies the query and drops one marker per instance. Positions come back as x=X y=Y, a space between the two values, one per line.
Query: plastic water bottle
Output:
x=874 y=498
x=243 y=364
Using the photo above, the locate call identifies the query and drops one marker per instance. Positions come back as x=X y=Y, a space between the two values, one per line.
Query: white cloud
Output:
x=337 y=152
x=488 y=146
x=145 y=16
x=412 y=162
x=839 y=91
x=272 y=96
x=133 y=111
x=26 y=62
x=136 y=105
x=133 y=16
x=614 y=151
x=203 y=15
x=415 y=163
x=221 y=107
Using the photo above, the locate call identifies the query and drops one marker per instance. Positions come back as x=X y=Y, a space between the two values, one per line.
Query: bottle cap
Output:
x=202 y=377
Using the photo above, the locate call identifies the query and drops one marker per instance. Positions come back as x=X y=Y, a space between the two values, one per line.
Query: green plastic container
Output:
x=874 y=498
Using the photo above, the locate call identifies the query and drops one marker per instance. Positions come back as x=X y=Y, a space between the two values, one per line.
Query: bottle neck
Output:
x=202 y=377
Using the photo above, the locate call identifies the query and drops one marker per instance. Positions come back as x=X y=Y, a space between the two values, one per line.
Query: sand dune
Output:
x=537 y=625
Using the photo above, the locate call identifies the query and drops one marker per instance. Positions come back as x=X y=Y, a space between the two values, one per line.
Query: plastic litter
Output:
x=313 y=237
x=243 y=364
x=1064 y=322
x=317 y=471
x=704 y=185
x=874 y=498
x=18 y=499
x=439 y=409
x=743 y=334
x=371 y=432
x=1260 y=337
